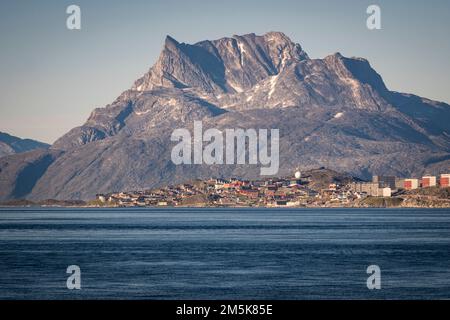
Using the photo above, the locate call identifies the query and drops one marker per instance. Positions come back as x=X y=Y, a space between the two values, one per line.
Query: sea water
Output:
x=236 y=253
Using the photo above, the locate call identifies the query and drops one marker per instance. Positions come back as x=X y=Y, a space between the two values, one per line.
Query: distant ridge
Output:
x=12 y=145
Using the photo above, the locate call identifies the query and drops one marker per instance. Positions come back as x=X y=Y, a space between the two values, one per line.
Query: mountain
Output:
x=334 y=112
x=12 y=145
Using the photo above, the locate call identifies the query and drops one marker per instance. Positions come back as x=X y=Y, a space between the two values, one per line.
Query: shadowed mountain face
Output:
x=12 y=145
x=334 y=112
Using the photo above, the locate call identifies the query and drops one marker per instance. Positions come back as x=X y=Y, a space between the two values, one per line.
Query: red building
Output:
x=428 y=181
x=249 y=193
x=445 y=180
x=410 y=184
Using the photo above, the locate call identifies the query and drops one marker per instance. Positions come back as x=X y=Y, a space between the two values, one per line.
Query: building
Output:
x=332 y=187
x=384 y=192
x=101 y=197
x=369 y=188
x=249 y=193
x=399 y=183
x=428 y=181
x=385 y=181
x=445 y=180
x=411 y=184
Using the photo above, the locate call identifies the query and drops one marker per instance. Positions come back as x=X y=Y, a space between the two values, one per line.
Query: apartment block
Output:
x=428 y=181
x=385 y=181
x=445 y=180
x=411 y=184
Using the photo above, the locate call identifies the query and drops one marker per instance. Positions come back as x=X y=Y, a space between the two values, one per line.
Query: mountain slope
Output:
x=334 y=112
x=12 y=145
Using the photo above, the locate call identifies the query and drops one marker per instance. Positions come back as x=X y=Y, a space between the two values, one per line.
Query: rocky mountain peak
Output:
x=226 y=65
x=170 y=42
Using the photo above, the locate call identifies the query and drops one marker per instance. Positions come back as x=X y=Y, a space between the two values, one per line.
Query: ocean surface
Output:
x=224 y=253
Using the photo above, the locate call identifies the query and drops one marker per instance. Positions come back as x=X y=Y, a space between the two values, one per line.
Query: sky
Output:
x=51 y=78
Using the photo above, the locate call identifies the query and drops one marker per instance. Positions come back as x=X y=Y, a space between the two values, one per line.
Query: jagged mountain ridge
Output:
x=334 y=112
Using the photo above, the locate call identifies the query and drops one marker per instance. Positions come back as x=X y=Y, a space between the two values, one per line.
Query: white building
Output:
x=384 y=192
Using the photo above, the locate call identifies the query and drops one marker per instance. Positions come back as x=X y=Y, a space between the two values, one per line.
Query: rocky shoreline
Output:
x=370 y=202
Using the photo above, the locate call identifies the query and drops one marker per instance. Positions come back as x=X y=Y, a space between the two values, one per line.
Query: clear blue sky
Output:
x=52 y=78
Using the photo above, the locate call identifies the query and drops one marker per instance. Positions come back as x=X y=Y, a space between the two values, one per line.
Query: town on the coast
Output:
x=314 y=188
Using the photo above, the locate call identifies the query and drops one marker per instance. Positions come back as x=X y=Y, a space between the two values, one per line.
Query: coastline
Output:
x=352 y=206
